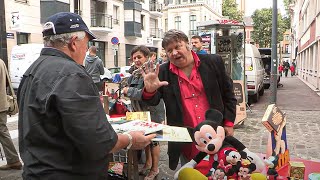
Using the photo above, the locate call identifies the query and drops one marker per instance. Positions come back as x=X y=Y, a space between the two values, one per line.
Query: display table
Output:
x=132 y=156
x=310 y=167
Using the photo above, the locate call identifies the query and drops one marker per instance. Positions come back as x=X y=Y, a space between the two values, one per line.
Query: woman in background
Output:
x=140 y=55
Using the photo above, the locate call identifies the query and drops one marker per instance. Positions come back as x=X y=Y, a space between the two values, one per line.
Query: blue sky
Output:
x=252 y=5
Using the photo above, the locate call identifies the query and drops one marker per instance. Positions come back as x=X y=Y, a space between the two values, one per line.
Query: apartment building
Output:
x=119 y=25
x=306 y=35
x=185 y=14
x=241 y=5
x=285 y=47
x=248 y=22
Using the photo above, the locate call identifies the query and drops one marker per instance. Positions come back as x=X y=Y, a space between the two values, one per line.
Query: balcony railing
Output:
x=155 y=7
x=193 y=32
x=101 y=20
x=156 y=33
x=78 y=11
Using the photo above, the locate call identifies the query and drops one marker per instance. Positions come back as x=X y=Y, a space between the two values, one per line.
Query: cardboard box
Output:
x=273 y=118
x=296 y=170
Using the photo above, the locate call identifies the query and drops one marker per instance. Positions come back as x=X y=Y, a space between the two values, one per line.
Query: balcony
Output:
x=101 y=22
x=155 y=9
x=156 y=33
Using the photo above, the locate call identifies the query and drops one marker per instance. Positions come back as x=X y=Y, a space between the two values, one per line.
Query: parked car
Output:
x=107 y=76
x=122 y=71
x=254 y=72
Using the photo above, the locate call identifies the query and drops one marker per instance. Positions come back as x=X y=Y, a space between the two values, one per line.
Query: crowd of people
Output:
x=63 y=130
x=285 y=67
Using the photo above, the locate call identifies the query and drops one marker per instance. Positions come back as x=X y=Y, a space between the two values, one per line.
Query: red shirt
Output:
x=193 y=97
x=193 y=100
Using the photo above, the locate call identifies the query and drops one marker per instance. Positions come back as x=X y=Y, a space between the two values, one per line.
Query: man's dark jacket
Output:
x=219 y=91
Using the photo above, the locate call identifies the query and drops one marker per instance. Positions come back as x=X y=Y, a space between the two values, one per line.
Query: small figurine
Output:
x=271 y=163
x=245 y=168
x=221 y=171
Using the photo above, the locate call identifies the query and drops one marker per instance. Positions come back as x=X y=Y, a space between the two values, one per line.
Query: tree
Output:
x=287 y=17
x=230 y=8
x=262 y=25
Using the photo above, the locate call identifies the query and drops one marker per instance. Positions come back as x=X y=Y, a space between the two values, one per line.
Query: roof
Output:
x=248 y=21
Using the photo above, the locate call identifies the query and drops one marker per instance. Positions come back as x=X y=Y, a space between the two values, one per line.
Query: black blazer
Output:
x=219 y=91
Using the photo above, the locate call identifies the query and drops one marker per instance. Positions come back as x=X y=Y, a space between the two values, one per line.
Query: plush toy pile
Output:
x=220 y=157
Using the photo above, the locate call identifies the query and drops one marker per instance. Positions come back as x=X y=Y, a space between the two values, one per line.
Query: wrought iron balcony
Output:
x=155 y=6
x=156 y=33
x=101 y=20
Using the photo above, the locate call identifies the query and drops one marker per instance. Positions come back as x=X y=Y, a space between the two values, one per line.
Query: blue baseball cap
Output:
x=65 y=22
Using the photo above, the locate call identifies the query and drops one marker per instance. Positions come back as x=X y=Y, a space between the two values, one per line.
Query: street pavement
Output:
x=295 y=98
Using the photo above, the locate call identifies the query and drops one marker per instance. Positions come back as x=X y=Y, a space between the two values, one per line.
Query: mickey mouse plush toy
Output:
x=211 y=141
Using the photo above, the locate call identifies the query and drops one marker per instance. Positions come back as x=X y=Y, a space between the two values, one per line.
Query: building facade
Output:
x=285 y=47
x=241 y=5
x=185 y=14
x=119 y=25
x=305 y=40
x=248 y=22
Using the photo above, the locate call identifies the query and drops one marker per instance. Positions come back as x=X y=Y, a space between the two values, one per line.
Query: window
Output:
x=115 y=14
x=177 y=21
x=166 y=25
x=77 y=7
x=100 y=49
x=193 y=1
x=193 y=22
x=193 y=27
x=286 y=48
x=286 y=37
x=22 y=38
x=249 y=34
x=51 y=7
x=178 y=2
x=142 y=21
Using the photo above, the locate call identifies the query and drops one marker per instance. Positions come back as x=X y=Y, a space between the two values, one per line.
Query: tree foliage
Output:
x=230 y=8
x=262 y=20
x=287 y=17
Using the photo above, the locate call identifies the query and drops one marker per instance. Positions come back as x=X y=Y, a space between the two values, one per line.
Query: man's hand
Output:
x=229 y=130
x=139 y=140
x=151 y=80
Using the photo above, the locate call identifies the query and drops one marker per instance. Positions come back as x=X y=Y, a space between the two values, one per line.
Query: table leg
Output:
x=135 y=164
x=130 y=162
x=133 y=171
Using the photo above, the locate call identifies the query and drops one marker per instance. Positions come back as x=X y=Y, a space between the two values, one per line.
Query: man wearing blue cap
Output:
x=63 y=130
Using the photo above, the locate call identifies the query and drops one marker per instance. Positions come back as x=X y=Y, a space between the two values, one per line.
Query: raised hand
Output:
x=151 y=79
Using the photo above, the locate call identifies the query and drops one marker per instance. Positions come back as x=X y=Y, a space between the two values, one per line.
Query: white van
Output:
x=22 y=56
x=254 y=72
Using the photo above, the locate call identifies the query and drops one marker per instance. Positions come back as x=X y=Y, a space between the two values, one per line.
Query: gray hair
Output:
x=61 y=40
x=174 y=35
